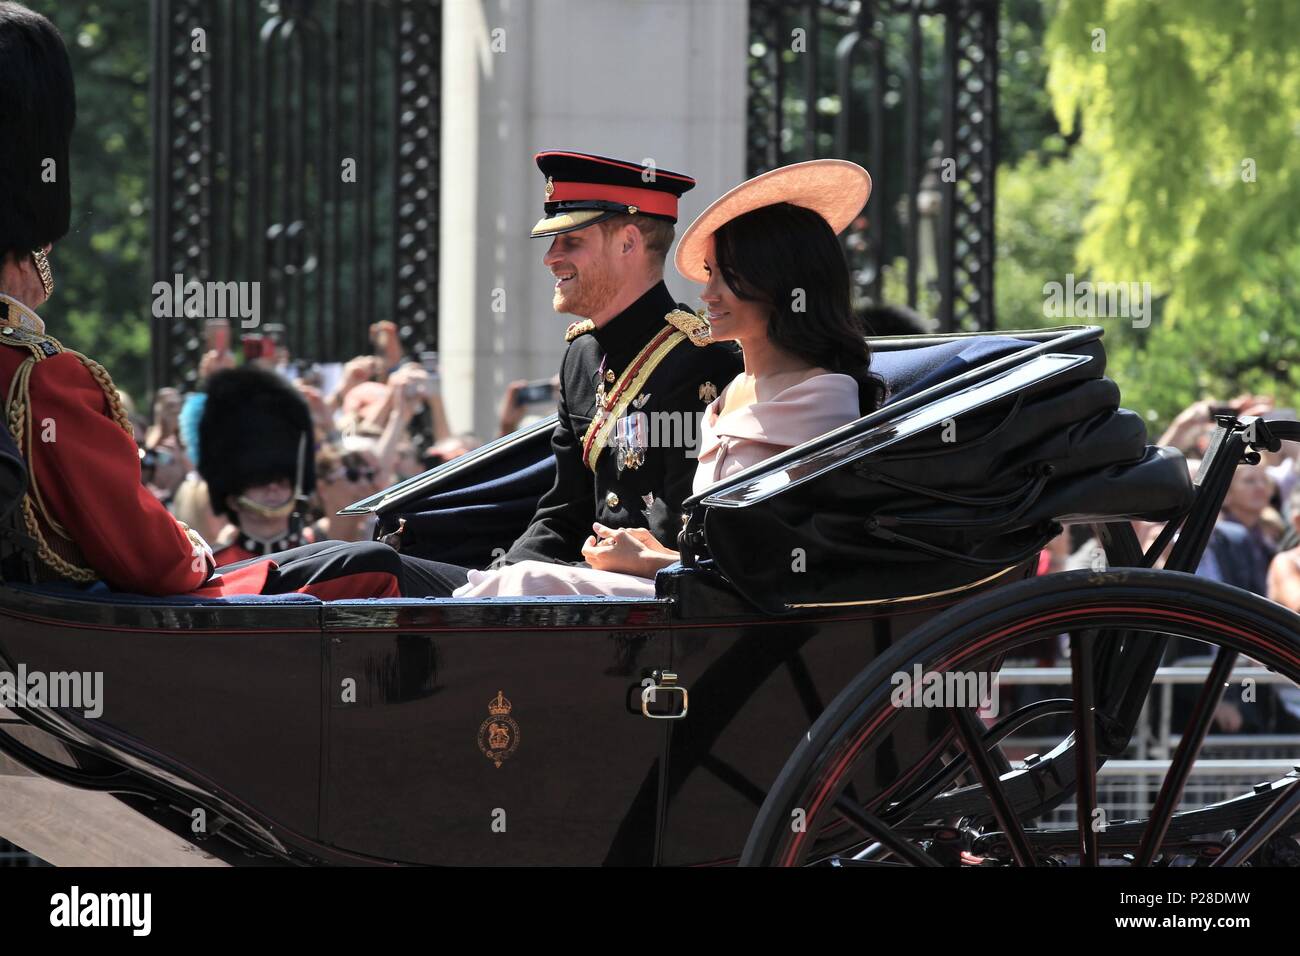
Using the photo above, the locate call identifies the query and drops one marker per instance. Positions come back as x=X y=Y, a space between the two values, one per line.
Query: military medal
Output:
x=630 y=440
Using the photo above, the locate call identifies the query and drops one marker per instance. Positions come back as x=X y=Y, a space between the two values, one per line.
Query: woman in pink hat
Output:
x=775 y=281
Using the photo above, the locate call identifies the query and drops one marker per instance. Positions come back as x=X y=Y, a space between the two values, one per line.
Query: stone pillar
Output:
x=662 y=80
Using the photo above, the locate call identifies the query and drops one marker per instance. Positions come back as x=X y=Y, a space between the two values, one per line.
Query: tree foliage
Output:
x=1190 y=111
x=101 y=305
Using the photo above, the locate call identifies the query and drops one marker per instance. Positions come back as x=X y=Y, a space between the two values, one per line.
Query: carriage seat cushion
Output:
x=100 y=593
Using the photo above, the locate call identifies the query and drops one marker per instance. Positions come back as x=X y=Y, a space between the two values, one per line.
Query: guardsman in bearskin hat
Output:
x=256 y=454
x=86 y=516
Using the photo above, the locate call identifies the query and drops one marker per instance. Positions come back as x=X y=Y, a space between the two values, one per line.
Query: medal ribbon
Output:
x=625 y=389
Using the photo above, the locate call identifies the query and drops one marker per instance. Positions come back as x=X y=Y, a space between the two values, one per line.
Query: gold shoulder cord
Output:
x=17 y=406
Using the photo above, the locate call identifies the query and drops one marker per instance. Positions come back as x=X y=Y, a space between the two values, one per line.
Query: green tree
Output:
x=1042 y=200
x=102 y=304
x=1190 y=110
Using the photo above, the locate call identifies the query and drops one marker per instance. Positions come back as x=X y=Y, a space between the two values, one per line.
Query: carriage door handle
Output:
x=661 y=682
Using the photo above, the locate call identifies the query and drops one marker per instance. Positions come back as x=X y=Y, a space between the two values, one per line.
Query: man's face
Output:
x=585 y=270
x=270 y=495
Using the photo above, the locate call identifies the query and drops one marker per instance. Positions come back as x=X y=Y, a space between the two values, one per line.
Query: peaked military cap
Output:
x=583 y=189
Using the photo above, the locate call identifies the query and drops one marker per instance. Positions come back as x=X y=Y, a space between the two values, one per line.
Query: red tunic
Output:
x=87 y=470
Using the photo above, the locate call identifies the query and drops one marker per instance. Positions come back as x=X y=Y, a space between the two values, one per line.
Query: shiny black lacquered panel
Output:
x=754 y=691
x=236 y=714
x=516 y=740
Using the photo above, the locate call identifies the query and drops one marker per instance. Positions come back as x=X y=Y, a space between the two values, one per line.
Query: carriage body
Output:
x=578 y=730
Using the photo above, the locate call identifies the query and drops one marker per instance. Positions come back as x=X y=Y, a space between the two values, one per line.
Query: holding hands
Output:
x=627 y=551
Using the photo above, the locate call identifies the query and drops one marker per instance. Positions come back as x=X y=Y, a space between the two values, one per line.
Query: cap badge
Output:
x=550 y=187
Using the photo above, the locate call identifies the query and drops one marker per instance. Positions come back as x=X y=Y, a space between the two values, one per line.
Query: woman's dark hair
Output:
x=787 y=257
x=37 y=112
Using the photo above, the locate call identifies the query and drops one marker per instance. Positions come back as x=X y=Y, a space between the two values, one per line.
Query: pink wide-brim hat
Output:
x=835 y=189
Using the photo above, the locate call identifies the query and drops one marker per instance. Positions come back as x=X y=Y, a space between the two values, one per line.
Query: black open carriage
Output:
x=743 y=712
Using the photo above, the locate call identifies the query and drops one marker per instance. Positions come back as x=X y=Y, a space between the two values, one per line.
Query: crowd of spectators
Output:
x=1255 y=546
x=378 y=419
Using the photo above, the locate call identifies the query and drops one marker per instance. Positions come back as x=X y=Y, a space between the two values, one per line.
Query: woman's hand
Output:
x=626 y=551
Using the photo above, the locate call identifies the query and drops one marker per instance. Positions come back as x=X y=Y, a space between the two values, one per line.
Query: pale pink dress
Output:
x=728 y=443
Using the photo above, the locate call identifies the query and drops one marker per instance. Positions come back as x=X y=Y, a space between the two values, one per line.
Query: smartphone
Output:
x=429 y=362
x=1217 y=410
x=535 y=393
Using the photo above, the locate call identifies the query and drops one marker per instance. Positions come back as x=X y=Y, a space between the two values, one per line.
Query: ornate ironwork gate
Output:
x=909 y=89
x=296 y=145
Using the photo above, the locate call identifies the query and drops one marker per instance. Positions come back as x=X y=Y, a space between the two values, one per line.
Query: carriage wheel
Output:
x=802 y=821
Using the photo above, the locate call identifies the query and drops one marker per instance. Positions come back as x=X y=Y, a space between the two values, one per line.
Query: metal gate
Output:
x=908 y=88
x=296 y=146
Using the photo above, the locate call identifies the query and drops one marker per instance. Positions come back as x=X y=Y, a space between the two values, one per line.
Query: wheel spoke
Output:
x=878 y=830
x=1171 y=791
x=943 y=777
x=1085 y=745
x=1264 y=826
x=988 y=777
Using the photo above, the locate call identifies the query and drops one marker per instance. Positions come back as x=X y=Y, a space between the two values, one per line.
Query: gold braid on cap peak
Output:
x=18 y=418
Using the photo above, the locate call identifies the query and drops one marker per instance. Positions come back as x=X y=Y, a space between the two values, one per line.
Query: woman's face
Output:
x=355 y=478
x=1250 y=491
x=730 y=316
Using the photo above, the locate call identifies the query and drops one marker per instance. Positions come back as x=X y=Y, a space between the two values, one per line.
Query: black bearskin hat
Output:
x=38 y=107
x=253 y=420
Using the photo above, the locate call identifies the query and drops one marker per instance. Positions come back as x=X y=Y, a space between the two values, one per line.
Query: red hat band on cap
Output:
x=650 y=201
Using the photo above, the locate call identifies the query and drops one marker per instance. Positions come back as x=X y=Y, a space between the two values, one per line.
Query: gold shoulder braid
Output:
x=581 y=327
x=696 y=329
x=18 y=417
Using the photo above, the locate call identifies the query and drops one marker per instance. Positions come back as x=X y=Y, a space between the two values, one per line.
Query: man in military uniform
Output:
x=639 y=366
x=639 y=370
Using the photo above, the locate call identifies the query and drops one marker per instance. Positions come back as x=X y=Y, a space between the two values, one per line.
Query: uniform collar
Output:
x=16 y=315
x=232 y=534
x=624 y=335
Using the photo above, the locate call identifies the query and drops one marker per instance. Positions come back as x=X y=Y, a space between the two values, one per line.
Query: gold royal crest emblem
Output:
x=499 y=735
x=550 y=188
x=708 y=392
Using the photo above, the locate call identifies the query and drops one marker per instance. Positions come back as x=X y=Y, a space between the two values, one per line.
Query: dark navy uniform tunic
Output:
x=648 y=491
